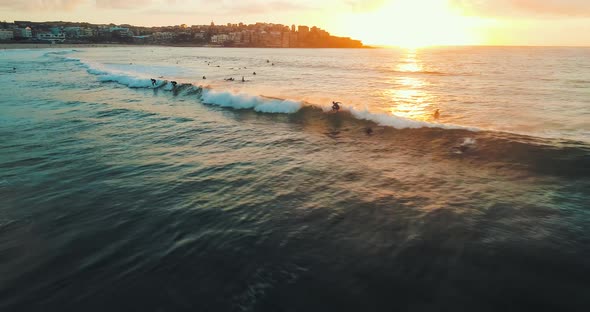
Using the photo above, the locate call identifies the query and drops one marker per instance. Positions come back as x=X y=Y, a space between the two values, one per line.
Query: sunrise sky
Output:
x=384 y=22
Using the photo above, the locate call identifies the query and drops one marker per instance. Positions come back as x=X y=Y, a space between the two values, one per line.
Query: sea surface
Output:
x=117 y=194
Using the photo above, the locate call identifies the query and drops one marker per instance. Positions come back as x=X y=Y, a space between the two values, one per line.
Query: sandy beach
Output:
x=58 y=45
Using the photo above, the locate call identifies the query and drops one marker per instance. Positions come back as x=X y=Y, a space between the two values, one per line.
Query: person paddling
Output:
x=336 y=106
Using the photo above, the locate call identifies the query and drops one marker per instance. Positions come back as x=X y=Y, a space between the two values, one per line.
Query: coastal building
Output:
x=293 y=40
x=6 y=34
x=73 y=32
x=23 y=33
x=121 y=32
x=199 y=35
x=243 y=35
x=87 y=33
x=163 y=36
x=49 y=36
x=303 y=33
x=285 y=39
x=219 y=39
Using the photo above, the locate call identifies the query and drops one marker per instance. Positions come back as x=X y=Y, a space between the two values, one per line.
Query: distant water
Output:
x=116 y=195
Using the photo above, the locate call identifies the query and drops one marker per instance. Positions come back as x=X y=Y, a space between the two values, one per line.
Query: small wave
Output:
x=64 y=52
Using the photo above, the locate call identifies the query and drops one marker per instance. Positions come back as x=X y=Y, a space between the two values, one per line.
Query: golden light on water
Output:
x=409 y=98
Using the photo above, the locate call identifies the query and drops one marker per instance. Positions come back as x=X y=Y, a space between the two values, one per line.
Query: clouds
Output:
x=122 y=4
x=365 y=5
x=42 y=5
x=230 y=8
x=525 y=8
x=262 y=7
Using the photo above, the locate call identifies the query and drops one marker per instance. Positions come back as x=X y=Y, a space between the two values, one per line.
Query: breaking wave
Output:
x=258 y=103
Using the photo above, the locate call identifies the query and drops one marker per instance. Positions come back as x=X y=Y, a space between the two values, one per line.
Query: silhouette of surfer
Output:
x=204 y=77
x=243 y=80
x=254 y=73
x=369 y=131
x=153 y=81
x=174 y=83
x=336 y=106
x=436 y=114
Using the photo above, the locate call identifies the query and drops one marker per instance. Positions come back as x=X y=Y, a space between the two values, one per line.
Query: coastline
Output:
x=11 y=46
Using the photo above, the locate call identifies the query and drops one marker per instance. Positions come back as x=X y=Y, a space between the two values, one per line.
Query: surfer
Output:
x=243 y=80
x=254 y=73
x=436 y=114
x=173 y=83
x=369 y=131
x=336 y=106
x=153 y=81
x=204 y=77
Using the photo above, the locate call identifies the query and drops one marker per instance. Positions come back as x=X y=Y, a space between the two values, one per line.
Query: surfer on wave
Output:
x=336 y=106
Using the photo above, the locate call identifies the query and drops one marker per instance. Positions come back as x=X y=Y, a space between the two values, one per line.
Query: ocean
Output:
x=117 y=194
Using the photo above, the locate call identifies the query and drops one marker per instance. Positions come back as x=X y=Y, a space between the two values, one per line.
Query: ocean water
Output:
x=215 y=195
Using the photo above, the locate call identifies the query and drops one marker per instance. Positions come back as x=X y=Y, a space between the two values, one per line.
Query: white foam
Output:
x=245 y=101
x=129 y=81
x=468 y=142
x=397 y=122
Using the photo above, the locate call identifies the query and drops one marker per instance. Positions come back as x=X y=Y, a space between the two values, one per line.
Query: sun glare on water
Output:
x=413 y=24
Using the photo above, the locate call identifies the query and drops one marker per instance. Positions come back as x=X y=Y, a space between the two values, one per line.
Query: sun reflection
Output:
x=409 y=98
x=410 y=63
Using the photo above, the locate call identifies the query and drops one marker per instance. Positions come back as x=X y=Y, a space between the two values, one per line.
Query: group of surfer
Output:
x=154 y=81
x=232 y=79
x=174 y=83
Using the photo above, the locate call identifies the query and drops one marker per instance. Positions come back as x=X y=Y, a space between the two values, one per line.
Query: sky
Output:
x=411 y=23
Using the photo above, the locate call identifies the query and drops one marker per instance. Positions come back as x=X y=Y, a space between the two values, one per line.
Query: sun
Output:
x=413 y=24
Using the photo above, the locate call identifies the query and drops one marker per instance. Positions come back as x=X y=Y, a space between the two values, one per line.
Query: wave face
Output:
x=209 y=196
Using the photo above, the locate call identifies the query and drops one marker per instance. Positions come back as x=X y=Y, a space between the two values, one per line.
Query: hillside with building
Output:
x=265 y=35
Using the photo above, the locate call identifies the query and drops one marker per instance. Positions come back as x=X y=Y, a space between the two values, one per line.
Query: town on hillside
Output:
x=266 y=35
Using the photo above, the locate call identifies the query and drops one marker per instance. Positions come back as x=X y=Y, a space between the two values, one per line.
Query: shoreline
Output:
x=13 y=46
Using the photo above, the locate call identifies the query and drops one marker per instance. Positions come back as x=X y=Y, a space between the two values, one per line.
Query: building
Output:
x=73 y=32
x=23 y=33
x=87 y=33
x=286 y=39
x=219 y=39
x=6 y=34
x=48 y=36
x=163 y=36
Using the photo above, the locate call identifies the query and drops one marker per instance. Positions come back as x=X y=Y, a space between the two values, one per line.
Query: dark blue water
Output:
x=119 y=199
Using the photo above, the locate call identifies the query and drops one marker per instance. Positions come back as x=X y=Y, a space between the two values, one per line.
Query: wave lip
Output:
x=245 y=101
